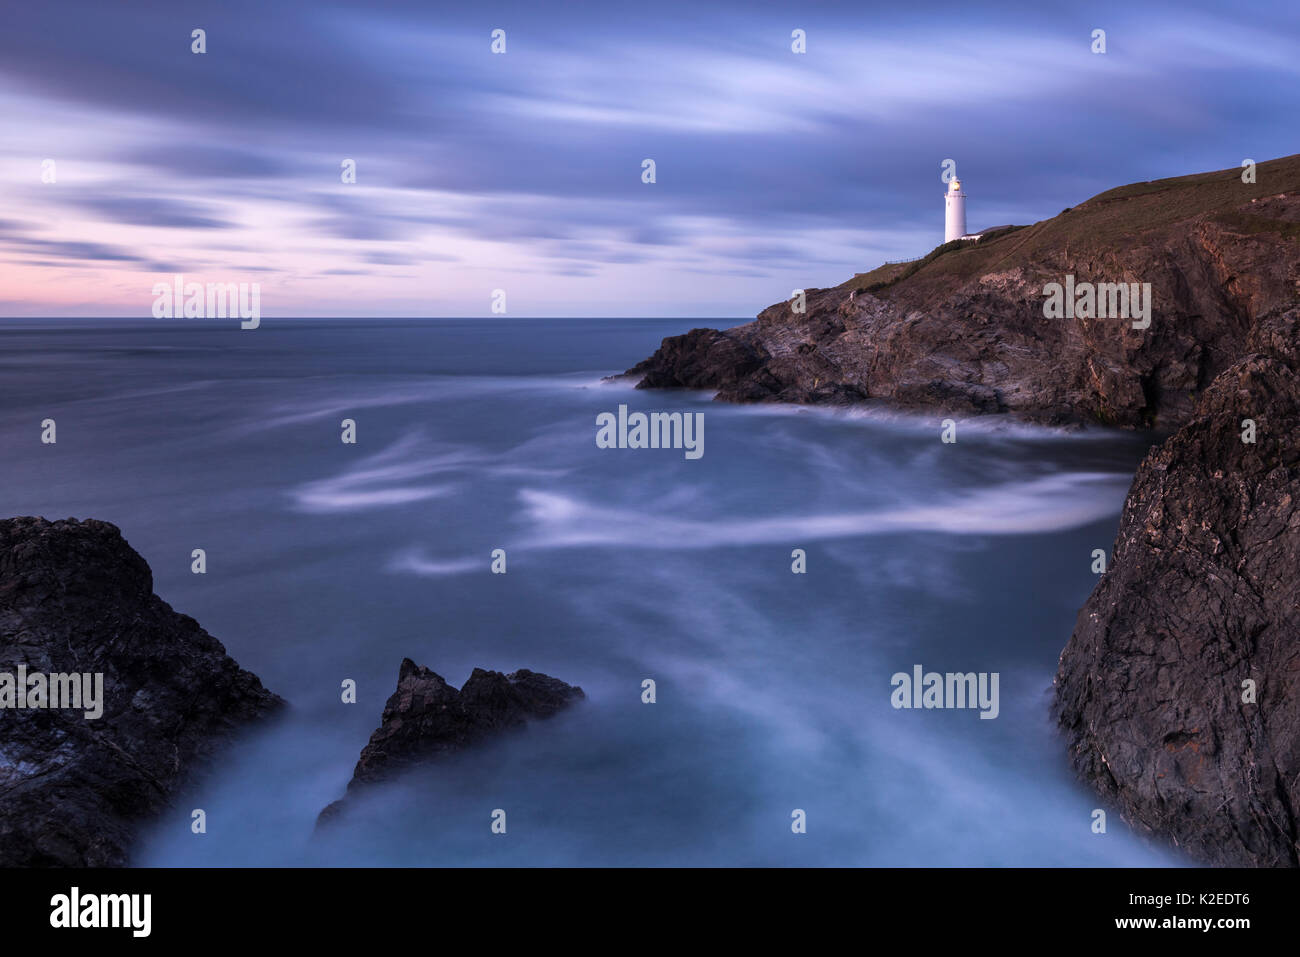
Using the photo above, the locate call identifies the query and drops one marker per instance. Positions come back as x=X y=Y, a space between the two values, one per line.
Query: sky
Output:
x=522 y=171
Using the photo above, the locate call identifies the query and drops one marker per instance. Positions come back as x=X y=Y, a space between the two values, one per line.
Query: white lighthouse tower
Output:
x=954 y=212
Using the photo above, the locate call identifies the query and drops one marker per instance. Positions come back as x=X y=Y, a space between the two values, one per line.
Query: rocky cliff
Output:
x=1179 y=691
x=963 y=330
x=426 y=718
x=76 y=599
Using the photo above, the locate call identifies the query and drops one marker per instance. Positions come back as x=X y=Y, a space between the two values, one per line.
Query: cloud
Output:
x=210 y=161
x=78 y=250
x=152 y=211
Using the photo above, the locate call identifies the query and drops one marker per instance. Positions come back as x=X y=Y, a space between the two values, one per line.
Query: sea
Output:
x=737 y=620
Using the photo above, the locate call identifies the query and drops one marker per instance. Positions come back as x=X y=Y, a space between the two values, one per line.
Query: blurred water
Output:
x=328 y=561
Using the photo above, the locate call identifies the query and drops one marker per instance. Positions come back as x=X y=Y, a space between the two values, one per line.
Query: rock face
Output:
x=76 y=598
x=1203 y=594
x=963 y=330
x=426 y=718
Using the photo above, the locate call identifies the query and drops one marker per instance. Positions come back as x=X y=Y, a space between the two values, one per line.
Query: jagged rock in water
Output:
x=426 y=718
x=75 y=598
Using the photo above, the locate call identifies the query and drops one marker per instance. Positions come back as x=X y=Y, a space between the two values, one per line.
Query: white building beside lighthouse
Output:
x=954 y=212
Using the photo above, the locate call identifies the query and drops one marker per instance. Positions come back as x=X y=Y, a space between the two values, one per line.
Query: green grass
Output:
x=1241 y=222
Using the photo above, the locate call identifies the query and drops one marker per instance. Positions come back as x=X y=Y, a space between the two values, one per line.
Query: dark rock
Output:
x=426 y=718
x=76 y=598
x=700 y=359
x=1202 y=594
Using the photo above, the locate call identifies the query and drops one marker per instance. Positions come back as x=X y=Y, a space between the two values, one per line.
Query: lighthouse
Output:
x=954 y=212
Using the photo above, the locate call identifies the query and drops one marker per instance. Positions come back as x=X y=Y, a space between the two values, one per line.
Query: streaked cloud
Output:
x=522 y=171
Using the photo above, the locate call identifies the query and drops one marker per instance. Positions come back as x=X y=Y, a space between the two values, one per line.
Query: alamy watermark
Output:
x=75 y=909
x=930 y=689
x=1104 y=300
x=215 y=300
x=40 y=690
x=651 y=430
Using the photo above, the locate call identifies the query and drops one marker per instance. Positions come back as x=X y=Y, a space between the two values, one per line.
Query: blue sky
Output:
x=522 y=171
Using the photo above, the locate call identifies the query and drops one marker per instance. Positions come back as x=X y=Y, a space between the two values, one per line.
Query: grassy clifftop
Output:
x=1120 y=216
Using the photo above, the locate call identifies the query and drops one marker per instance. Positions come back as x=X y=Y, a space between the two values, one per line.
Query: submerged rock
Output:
x=426 y=718
x=1203 y=596
x=76 y=599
